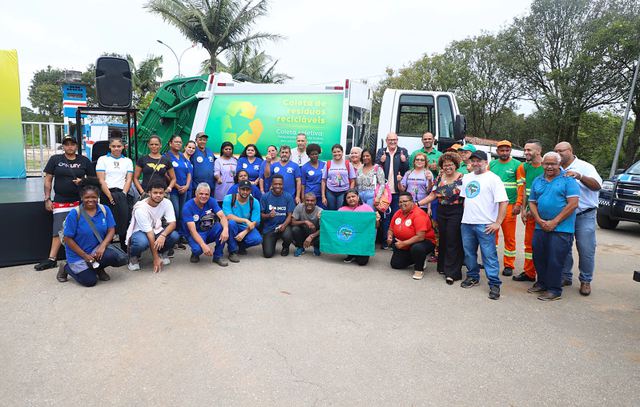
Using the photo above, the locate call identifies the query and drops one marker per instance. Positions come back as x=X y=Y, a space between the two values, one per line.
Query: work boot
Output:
x=62 y=274
x=585 y=288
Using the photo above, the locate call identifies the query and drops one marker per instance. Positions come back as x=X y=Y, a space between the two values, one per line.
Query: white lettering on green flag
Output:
x=348 y=233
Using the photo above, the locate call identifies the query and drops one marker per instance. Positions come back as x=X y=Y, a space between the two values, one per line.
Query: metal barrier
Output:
x=41 y=141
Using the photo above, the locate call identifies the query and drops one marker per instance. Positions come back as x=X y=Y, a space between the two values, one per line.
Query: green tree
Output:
x=45 y=93
x=216 y=24
x=145 y=77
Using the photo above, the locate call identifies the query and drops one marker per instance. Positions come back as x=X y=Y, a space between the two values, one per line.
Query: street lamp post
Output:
x=176 y=55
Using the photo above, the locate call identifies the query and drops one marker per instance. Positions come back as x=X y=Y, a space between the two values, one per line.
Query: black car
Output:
x=619 y=198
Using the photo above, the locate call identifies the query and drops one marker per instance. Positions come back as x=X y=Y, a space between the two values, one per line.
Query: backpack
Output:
x=77 y=210
x=251 y=198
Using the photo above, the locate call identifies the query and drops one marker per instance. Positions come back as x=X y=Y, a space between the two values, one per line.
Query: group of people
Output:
x=447 y=205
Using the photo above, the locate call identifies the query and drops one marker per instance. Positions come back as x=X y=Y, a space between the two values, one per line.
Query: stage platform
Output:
x=25 y=224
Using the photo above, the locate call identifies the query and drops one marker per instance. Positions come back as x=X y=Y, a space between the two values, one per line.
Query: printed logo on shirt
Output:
x=256 y=167
x=289 y=170
x=276 y=170
x=199 y=159
x=473 y=189
x=175 y=163
x=196 y=218
x=398 y=221
x=116 y=164
x=311 y=172
x=244 y=165
x=210 y=159
x=407 y=222
x=155 y=166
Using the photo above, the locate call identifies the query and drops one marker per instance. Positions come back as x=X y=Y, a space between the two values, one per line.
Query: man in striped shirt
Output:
x=505 y=167
x=526 y=173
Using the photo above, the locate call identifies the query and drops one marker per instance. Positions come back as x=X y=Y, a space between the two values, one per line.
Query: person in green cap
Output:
x=465 y=153
x=430 y=151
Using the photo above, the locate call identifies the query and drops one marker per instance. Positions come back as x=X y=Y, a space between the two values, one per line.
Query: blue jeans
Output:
x=139 y=243
x=585 y=236
x=252 y=238
x=549 y=255
x=472 y=237
x=367 y=197
x=88 y=277
x=334 y=199
x=178 y=202
x=386 y=218
x=210 y=236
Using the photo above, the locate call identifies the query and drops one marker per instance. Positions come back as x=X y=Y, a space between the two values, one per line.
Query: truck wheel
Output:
x=606 y=222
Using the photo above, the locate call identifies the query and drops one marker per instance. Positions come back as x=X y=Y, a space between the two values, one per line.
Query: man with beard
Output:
x=527 y=172
x=243 y=212
x=306 y=225
x=289 y=171
x=276 y=209
x=203 y=162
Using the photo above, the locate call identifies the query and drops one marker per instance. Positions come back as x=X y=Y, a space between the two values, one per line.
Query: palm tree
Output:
x=247 y=63
x=145 y=78
x=216 y=24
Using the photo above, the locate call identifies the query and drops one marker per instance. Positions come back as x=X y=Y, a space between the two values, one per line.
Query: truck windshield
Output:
x=634 y=169
x=415 y=115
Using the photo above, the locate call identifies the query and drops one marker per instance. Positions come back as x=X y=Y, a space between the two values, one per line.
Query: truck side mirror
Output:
x=459 y=127
x=620 y=171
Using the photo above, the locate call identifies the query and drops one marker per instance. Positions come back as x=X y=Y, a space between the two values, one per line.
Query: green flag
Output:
x=348 y=233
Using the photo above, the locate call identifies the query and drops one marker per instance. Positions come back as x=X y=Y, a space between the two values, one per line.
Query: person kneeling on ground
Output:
x=243 y=213
x=276 y=208
x=306 y=225
x=88 y=230
x=412 y=236
x=199 y=215
x=353 y=203
x=146 y=230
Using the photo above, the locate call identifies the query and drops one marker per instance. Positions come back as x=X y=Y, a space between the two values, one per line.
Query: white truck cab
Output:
x=411 y=113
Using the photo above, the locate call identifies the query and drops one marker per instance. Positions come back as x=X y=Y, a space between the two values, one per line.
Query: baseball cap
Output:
x=454 y=147
x=69 y=138
x=479 y=154
x=504 y=143
x=244 y=184
x=470 y=147
x=201 y=135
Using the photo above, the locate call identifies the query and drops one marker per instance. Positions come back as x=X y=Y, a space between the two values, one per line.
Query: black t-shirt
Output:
x=64 y=171
x=150 y=165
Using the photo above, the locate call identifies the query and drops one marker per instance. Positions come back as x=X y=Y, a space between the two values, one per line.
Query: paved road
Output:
x=317 y=332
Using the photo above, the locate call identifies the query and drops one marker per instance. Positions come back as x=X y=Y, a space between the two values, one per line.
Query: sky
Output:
x=326 y=41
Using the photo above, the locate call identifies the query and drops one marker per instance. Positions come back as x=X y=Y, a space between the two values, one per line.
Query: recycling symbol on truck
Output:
x=240 y=124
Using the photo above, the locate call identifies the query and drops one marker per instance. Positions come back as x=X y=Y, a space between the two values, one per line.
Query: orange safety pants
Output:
x=509 y=231
x=529 y=267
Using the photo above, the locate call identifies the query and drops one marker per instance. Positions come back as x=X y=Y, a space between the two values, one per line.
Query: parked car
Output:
x=619 y=198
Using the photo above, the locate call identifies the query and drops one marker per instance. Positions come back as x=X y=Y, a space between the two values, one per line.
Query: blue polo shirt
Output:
x=551 y=197
x=242 y=210
x=311 y=178
x=290 y=171
x=203 y=167
x=282 y=204
x=182 y=168
x=253 y=169
x=79 y=230
x=203 y=218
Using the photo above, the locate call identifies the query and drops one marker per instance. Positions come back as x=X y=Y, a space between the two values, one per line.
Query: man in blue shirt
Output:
x=552 y=201
x=199 y=216
x=277 y=207
x=289 y=171
x=243 y=212
x=202 y=161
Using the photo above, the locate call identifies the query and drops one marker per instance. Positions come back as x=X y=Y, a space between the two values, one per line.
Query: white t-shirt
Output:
x=482 y=195
x=147 y=218
x=115 y=170
x=299 y=158
x=588 y=198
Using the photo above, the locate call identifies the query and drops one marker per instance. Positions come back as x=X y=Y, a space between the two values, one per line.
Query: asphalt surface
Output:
x=317 y=332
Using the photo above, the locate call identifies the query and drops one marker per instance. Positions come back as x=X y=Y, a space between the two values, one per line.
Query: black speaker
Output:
x=113 y=82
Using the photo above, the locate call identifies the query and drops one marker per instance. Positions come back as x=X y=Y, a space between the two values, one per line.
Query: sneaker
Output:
x=299 y=252
x=165 y=259
x=494 y=292
x=417 y=275
x=349 y=259
x=62 y=274
x=316 y=251
x=221 y=262
x=536 y=288
x=284 y=252
x=549 y=297
x=194 y=258
x=433 y=259
x=385 y=247
x=134 y=264
x=523 y=277
x=171 y=254
x=46 y=264
x=469 y=282
x=507 y=272
x=234 y=258
x=449 y=280
x=102 y=275
x=181 y=245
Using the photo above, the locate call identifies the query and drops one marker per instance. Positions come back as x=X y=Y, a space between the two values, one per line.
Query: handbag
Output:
x=385 y=198
x=122 y=257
